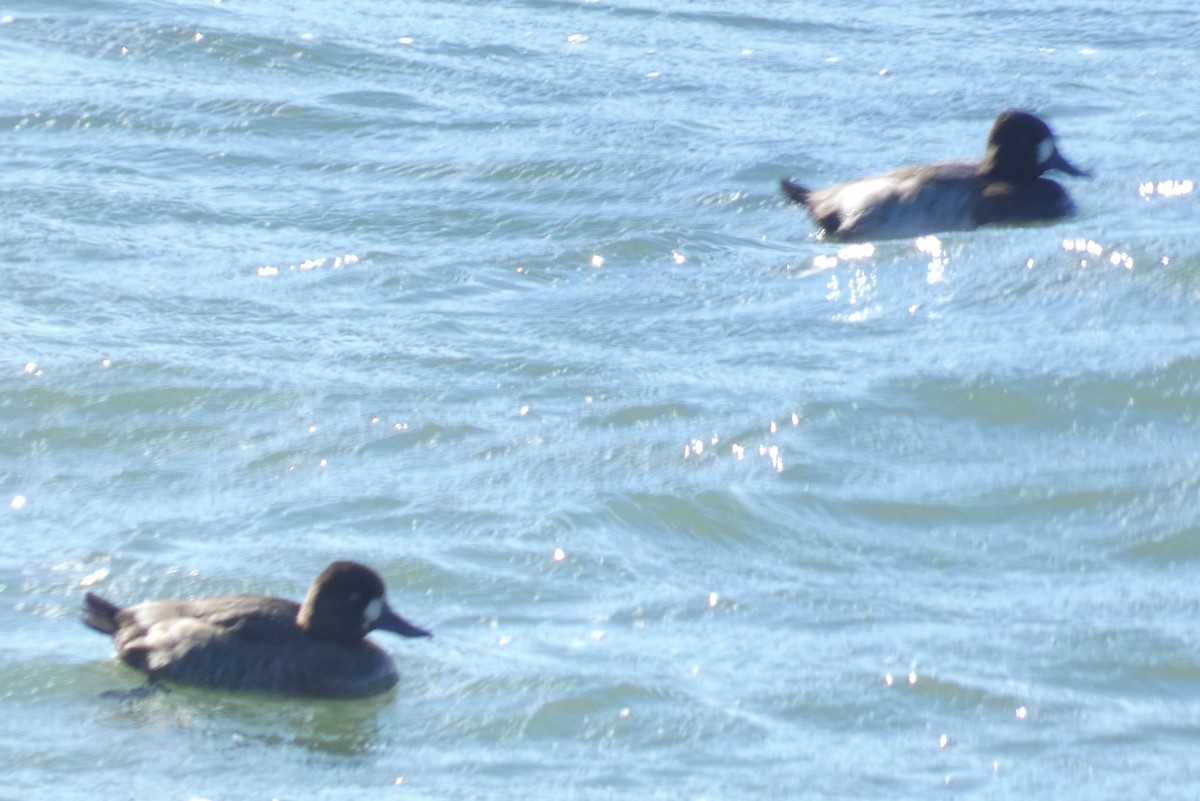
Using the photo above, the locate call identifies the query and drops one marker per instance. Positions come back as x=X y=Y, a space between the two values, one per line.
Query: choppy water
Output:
x=501 y=298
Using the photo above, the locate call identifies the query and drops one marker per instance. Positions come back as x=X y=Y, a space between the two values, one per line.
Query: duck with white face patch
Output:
x=1004 y=187
x=257 y=643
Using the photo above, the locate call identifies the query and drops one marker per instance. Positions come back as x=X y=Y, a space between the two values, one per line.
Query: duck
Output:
x=263 y=644
x=1004 y=187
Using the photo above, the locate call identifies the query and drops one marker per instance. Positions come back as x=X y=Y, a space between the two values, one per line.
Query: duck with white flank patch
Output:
x=1006 y=186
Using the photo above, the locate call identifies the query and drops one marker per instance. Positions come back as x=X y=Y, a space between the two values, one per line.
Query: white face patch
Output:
x=1045 y=150
x=371 y=613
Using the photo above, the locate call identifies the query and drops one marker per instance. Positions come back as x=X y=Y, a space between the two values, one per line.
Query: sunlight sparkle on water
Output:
x=771 y=452
x=932 y=246
x=1165 y=188
x=1095 y=250
x=92 y=578
x=859 y=289
x=336 y=263
x=772 y=455
x=848 y=253
x=861 y=251
x=890 y=680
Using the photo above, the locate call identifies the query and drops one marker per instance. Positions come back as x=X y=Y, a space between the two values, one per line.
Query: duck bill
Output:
x=390 y=621
x=1057 y=162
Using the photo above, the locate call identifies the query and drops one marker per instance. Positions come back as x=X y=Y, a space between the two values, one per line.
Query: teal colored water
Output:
x=503 y=300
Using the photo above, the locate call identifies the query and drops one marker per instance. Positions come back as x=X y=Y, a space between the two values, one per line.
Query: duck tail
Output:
x=794 y=191
x=100 y=614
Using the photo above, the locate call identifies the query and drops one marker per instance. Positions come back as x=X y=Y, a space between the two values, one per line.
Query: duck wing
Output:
x=155 y=634
x=908 y=202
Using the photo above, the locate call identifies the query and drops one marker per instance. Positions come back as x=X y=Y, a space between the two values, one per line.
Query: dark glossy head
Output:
x=346 y=602
x=1020 y=148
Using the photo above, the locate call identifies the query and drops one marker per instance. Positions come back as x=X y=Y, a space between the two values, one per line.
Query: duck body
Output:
x=258 y=643
x=1005 y=187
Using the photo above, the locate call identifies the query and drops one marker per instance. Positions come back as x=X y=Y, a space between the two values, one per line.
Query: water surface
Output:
x=503 y=300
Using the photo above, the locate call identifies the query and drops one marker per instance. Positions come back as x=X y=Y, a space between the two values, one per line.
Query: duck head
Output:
x=347 y=601
x=1021 y=147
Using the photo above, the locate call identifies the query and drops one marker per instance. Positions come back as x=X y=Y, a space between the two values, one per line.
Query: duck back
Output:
x=248 y=643
x=911 y=201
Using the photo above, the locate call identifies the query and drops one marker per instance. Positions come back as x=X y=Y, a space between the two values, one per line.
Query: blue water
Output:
x=502 y=299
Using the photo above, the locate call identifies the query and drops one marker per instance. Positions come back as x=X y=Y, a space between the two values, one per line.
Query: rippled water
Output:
x=502 y=299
